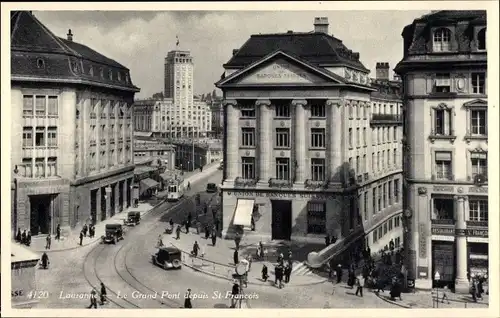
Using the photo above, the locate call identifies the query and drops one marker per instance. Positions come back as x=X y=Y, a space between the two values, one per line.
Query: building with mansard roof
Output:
x=298 y=148
x=71 y=113
x=444 y=73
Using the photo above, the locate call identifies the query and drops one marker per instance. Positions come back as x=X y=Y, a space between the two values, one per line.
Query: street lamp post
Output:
x=241 y=272
x=437 y=277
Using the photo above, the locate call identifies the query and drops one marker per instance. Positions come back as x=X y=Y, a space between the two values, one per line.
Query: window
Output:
x=358 y=110
x=442 y=122
x=373 y=162
x=282 y=168
x=52 y=136
x=378 y=136
x=248 y=111
x=365 y=205
x=375 y=237
x=358 y=137
x=363 y=164
x=443 y=209
x=379 y=199
x=478 y=83
x=396 y=221
x=384 y=195
x=374 y=202
x=396 y=190
x=442 y=83
x=395 y=134
x=479 y=162
x=397 y=242
x=40 y=105
x=390 y=225
x=40 y=137
x=248 y=168
x=248 y=137
x=350 y=137
x=25 y=170
x=350 y=108
x=316 y=217
x=379 y=161
x=318 y=110
x=39 y=168
x=28 y=105
x=443 y=165
x=318 y=139
x=385 y=228
x=478 y=210
x=27 y=136
x=374 y=136
x=283 y=137
x=388 y=157
x=53 y=106
x=380 y=233
x=282 y=110
x=382 y=162
x=318 y=169
x=357 y=165
x=395 y=157
x=51 y=167
x=441 y=40
x=481 y=39
x=478 y=122
x=364 y=136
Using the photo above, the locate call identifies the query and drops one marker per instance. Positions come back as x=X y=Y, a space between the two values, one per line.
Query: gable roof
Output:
x=317 y=71
x=315 y=47
x=37 y=54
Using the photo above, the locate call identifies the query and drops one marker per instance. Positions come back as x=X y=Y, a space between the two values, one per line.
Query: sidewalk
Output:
x=71 y=240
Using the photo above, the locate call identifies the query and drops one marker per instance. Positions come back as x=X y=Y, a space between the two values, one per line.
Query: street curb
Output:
x=393 y=302
x=99 y=238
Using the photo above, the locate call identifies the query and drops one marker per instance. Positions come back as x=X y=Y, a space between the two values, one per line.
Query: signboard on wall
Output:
x=282 y=195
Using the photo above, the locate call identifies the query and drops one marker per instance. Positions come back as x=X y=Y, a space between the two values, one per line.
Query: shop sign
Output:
x=478 y=190
x=437 y=188
x=443 y=230
x=284 y=195
x=472 y=232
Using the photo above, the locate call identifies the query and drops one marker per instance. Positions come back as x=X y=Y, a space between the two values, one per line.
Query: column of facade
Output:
x=98 y=208
x=461 y=282
x=265 y=140
x=124 y=194
x=107 y=191
x=232 y=140
x=117 y=197
x=300 y=140
x=334 y=112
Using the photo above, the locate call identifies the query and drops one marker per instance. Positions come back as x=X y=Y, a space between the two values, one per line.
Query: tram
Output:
x=175 y=189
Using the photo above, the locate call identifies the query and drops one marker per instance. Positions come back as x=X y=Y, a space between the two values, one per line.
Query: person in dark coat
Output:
x=351 y=278
x=327 y=240
x=171 y=222
x=334 y=240
x=339 y=273
x=237 y=240
x=81 y=237
x=278 y=275
x=45 y=261
x=58 y=232
x=28 y=238
x=92 y=230
x=84 y=230
x=196 y=248
x=187 y=299
x=217 y=224
x=187 y=225
x=189 y=218
x=18 y=236
x=48 y=241
x=288 y=271
x=236 y=257
x=235 y=291
x=214 y=238
x=103 y=293
x=93 y=296
x=23 y=237
x=207 y=232
x=178 y=232
x=264 y=272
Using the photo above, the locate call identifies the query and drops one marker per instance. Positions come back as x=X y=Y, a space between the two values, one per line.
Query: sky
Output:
x=140 y=40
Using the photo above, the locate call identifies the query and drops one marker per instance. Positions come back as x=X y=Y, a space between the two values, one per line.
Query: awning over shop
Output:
x=243 y=212
x=147 y=184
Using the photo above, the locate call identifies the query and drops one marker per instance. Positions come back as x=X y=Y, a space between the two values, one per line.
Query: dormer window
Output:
x=442 y=83
x=441 y=40
x=110 y=75
x=481 y=39
x=91 y=71
x=101 y=71
x=119 y=75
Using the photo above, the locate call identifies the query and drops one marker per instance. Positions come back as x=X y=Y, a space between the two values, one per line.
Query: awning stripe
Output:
x=243 y=212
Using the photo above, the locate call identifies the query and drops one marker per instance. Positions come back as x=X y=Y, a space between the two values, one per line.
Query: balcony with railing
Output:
x=241 y=182
x=280 y=183
x=315 y=184
x=386 y=119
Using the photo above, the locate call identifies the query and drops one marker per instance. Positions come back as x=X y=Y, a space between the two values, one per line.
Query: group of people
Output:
x=24 y=237
x=93 y=297
x=90 y=229
x=282 y=269
x=477 y=288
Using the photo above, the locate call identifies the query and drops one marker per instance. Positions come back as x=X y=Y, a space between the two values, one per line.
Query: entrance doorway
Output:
x=129 y=190
x=443 y=261
x=93 y=205
x=120 y=196
x=41 y=213
x=281 y=219
x=113 y=199
x=103 y=204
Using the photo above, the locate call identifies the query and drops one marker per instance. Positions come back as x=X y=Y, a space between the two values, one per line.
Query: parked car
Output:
x=114 y=233
x=211 y=188
x=167 y=258
x=133 y=218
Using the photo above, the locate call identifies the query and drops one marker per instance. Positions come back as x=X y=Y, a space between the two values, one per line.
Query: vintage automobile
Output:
x=212 y=188
x=167 y=258
x=133 y=218
x=114 y=233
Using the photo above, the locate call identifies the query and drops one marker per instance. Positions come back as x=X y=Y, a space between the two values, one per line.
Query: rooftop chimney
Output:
x=382 y=71
x=321 y=24
x=70 y=35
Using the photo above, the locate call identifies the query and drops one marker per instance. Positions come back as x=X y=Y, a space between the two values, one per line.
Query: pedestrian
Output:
x=237 y=240
x=201 y=168
x=327 y=240
x=93 y=297
x=288 y=272
x=58 y=232
x=339 y=273
x=84 y=230
x=187 y=299
x=196 y=248
x=48 y=241
x=188 y=225
x=207 y=232
x=280 y=259
x=23 y=237
x=236 y=257
x=171 y=223
x=189 y=217
x=217 y=225
x=252 y=224
x=178 y=232
x=18 y=236
x=261 y=249
x=278 y=275
x=81 y=237
x=334 y=240
x=264 y=272
x=351 y=279
x=290 y=255
x=103 y=294
x=205 y=209
x=92 y=230
x=45 y=261
x=189 y=186
x=360 y=282
x=28 y=238
x=250 y=260
x=235 y=290
x=160 y=240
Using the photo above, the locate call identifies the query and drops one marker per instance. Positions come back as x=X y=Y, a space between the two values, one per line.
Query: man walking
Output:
x=93 y=298
x=187 y=299
x=237 y=240
x=196 y=248
x=48 y=242
x=236 y=257
x=360 y=283
x=214 y=238
x=178 y=232
x=81 y=237
x=288 y=271
x=58 y=232
x=339 y=273
x=84 y=230
x=103 y=293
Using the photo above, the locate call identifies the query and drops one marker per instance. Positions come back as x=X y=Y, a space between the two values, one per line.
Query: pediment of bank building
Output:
x=281 y=70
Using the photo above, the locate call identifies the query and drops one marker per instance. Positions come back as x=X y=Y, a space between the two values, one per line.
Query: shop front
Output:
x=23 y=277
